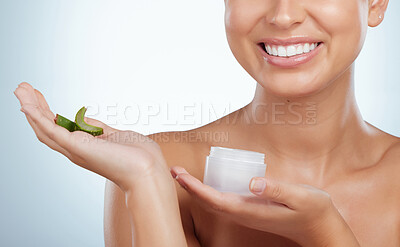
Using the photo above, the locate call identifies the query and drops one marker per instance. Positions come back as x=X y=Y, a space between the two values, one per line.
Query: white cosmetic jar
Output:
x=231 y=170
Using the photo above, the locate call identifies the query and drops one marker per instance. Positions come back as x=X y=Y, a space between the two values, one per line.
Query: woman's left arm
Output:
x=301 y=213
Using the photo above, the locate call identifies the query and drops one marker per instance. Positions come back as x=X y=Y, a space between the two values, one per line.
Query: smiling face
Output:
x=297 y=48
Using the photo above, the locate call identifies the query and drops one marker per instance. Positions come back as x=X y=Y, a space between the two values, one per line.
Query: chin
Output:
x=292 y=86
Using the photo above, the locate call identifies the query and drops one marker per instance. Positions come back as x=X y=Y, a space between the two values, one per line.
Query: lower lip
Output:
x=289 y=62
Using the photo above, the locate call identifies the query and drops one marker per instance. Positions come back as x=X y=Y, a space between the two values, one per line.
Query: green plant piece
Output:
x=83 y=126
x=65 y=122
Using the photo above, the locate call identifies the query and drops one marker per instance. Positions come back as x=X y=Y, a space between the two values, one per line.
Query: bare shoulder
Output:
x=390 y=163
x=390 y=145
x=392 y=154
x=388 y=167
x=390 y=178
x=387 y=144
x=189 y=148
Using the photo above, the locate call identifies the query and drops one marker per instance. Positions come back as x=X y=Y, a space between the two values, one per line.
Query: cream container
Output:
x=231 y=170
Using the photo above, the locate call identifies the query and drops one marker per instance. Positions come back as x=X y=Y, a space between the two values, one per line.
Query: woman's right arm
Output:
x=132 y=161
x=117 y=226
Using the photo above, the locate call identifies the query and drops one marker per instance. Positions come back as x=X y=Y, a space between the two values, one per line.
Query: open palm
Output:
x=121 y=156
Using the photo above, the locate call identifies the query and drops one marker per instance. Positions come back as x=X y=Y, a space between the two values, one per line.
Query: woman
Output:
x=332 y=179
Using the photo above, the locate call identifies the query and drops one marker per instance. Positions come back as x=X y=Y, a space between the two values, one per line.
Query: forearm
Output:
x=154 y=213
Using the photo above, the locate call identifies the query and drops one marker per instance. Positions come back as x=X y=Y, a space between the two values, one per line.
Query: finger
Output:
x=42 y=123
x=41 y=100
x=26 y=94
x=239 y=208
x=75 y=144
x=287 y=194
x=207 y=196
x=45 y=128
x=87 y=151
x=33 y=96
x=43 y=104
x=81 y=148
x=45 y=140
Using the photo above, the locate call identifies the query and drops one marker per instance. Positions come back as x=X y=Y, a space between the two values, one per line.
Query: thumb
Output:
x=279 y=192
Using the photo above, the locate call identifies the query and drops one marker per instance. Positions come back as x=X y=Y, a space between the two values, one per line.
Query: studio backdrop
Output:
x=147 y=66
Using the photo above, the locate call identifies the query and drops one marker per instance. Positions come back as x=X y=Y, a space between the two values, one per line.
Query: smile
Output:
x=289 y=52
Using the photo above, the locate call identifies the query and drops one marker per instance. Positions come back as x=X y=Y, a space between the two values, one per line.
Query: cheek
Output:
x=241 y=16
x=346 y=23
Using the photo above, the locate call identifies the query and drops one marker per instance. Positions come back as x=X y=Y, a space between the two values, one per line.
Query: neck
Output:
x=307 y=130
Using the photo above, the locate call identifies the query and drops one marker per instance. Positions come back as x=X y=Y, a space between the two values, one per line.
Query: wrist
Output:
x=140 y=174
x=150 y=185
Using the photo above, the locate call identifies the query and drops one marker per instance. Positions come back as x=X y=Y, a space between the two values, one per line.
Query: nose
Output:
x=286 y=13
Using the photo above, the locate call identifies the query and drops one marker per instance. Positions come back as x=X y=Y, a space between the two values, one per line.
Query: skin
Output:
x=340 y=154
x=109 y=155
x=333 y=189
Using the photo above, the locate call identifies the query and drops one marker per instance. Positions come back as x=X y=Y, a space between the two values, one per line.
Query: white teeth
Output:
x=291 y=50
x=299 y=50
x=269 y=49
x=274 y=51
x=281 y=51
x=306 y=48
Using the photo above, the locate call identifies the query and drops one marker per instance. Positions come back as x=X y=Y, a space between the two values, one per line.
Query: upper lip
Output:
x=289 y=41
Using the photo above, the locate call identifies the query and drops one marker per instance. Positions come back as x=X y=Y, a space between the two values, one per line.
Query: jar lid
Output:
x=237 y=154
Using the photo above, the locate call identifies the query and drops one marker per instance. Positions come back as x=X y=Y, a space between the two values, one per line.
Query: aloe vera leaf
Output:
x=83 y=126
x=65 y=122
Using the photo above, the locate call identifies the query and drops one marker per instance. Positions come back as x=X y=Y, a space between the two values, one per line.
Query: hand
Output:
x=301 y=213
x=124 y=157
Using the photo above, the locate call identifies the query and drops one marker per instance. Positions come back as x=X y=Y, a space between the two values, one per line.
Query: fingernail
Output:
x=172 y=173
x=180 y=182
x=257 y=185
x=182 y=170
